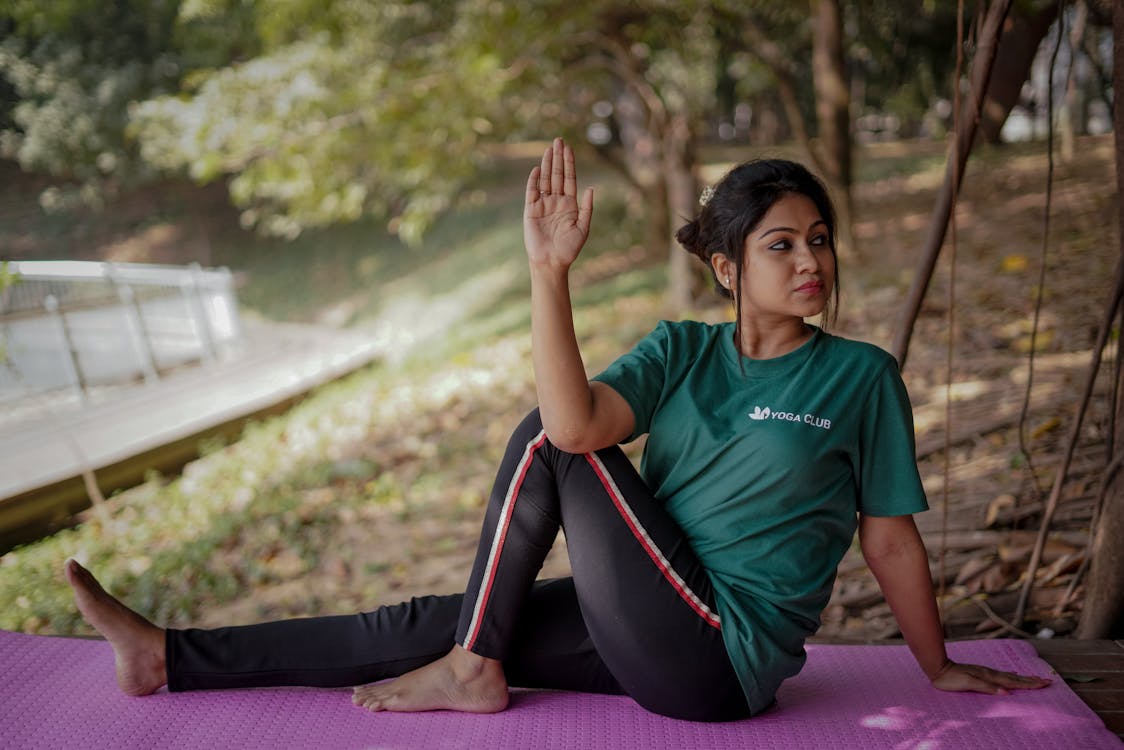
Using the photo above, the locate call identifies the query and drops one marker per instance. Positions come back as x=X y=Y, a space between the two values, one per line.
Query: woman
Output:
x=694 y=587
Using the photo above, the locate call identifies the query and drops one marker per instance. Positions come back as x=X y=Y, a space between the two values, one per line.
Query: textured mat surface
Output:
x=61 y=693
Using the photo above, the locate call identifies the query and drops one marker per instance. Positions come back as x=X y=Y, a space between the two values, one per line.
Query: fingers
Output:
x=544 y=171
x=1002 y=680
x=556 y=173
x=557 y=176
x=585 y=211
x=1018 y=681
x=563 y=178
x=980 y=679
x=533 y=185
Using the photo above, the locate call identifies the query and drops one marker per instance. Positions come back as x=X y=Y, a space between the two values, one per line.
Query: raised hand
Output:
x=977 y=679
x=555 y=225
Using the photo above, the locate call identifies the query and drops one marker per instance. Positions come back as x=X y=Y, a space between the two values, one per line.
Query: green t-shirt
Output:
x=764 y=464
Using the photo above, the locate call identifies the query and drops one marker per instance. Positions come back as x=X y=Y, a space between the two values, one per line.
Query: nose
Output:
x=806 y=260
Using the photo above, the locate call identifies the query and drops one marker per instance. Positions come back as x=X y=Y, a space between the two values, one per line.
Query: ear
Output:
x=723 y=270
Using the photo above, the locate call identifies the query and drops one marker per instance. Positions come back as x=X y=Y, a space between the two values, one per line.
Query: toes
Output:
x=80 y=577
x=73 y=571
x=368 y=697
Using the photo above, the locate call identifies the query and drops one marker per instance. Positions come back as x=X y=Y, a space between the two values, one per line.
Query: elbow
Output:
x=571 y=439
x=572 y=435
x=889 y=537
x=891 y=550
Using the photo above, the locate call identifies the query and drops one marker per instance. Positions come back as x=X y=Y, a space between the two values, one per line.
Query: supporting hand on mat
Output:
x=978 y=679
x=896 y=555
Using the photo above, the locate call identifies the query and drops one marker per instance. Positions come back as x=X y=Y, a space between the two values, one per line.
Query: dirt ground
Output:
x=987 y=498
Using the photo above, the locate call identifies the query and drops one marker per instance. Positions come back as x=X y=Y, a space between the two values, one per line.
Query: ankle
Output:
x=157 y=647
x=468 y=666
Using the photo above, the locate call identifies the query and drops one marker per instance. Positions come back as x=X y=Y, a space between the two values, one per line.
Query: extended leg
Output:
x=551 y=646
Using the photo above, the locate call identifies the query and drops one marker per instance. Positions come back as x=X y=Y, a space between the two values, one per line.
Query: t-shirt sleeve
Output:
x=639 y=377
x=889 y=483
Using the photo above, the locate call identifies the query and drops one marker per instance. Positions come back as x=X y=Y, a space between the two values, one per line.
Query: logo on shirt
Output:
x=760 y=415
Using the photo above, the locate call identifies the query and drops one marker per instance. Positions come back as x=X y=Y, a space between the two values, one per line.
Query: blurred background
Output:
x=263 y=301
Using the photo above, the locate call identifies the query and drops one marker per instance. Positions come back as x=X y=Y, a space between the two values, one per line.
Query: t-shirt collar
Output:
x=762 y=368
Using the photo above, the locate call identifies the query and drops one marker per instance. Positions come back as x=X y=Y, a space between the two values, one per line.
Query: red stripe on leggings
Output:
x=506 y=511
x=649 y=546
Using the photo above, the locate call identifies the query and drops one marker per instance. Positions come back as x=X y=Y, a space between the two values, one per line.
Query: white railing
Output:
x=80 y=324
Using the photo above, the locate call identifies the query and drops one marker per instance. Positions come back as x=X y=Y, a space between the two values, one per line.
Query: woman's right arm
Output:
x=578 y=416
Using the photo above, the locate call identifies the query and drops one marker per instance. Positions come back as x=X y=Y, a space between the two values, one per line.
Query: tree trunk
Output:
x=761 y=45
x=1071 y=118
x=640 y=148
x=682 y=203
x=1022 y=34
x=1103 y=613
x=833 y=112
x=659 y=157
x=833 y=94
x=990 y=35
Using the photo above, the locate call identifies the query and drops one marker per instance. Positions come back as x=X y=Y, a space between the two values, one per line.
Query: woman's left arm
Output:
x=896 y=555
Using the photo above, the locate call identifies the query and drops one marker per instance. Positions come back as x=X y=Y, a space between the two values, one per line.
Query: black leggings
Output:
x=637 y=616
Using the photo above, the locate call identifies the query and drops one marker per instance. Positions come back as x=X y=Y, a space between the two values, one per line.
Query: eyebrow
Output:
x=767 y=232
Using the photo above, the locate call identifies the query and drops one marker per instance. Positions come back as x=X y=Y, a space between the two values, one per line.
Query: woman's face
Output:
x=789 y=267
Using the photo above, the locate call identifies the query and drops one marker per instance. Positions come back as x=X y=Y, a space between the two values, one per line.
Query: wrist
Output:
x=935 y=674
x=545 y=271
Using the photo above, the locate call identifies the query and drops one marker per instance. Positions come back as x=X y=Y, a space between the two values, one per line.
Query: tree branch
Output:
x=957 y=160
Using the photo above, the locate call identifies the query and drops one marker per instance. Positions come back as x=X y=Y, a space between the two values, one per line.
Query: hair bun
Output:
x=690 y=237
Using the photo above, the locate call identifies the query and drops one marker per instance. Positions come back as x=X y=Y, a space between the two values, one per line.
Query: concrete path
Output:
x=158 y=425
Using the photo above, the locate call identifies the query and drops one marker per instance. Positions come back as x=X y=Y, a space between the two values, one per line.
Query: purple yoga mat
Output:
x=61 y=693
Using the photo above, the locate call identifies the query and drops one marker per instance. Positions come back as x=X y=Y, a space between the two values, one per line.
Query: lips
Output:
x=812 y=287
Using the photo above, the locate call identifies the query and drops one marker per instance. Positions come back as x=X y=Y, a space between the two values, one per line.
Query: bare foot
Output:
x=458 y=681
x=138 y=645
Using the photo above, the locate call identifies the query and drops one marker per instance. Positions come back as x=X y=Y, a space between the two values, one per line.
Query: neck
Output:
x=771 y=339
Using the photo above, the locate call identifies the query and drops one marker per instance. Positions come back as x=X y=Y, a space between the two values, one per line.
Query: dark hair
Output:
x=739 y=202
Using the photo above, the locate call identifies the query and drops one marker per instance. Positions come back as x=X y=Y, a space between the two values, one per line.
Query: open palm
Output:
x=977 y=679
x=555 y=225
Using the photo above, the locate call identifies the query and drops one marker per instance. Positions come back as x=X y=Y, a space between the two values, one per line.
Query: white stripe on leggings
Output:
x=501 y=534
x=649 y=546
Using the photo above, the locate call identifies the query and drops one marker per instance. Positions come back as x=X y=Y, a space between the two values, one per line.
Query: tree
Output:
x=384 y=108
x=68 y=71
x=833 y=107
x=1023 y=32
x=990 y=40
x=348 y=109
x=852 y=46
x=1103 y=613
x=320 y=112
x=886 y=32
x=655 y=64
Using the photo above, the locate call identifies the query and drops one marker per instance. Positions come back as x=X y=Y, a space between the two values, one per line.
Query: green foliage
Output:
x=373 y=110
x=70 y=70
x=388 y=109
x=887 y=32
x=7 y=279
x=317 y=112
